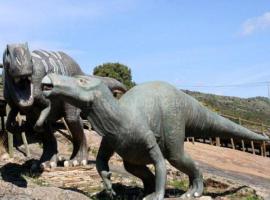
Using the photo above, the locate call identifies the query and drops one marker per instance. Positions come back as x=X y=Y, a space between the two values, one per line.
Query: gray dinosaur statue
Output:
x=147 y=125
x=22 y=74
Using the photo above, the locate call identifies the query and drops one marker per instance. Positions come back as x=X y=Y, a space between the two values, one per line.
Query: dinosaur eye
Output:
x=82 y=81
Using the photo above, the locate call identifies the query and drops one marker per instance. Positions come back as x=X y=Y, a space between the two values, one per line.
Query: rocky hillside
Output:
x=255 y=109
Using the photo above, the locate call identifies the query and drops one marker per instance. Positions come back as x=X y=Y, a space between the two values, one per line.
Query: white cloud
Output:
x=256 y=24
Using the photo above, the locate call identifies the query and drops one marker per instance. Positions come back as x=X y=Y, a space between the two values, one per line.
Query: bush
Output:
x=115 y=70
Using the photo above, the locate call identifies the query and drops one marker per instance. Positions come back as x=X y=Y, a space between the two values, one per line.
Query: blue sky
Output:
x=202 y=43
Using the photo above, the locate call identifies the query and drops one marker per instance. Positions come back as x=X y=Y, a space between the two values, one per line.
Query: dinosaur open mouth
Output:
x=23 y=89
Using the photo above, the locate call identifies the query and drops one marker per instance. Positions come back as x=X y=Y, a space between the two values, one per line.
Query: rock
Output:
x=205 y=198
x=4 y=157
x=11 y=191
x=200 y=198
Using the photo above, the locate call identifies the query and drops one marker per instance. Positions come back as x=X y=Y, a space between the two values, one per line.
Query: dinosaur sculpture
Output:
x=146 y=126
x=23 y=72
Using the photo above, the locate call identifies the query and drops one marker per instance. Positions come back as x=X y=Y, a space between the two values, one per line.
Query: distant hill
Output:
x=255 y=109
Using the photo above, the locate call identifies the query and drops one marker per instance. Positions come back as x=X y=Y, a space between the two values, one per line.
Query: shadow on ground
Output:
x=136 y=193
x=17 y=173
x=14 y=173
x=225 y=193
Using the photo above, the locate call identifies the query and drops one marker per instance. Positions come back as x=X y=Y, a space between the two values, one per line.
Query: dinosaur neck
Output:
x=106 y=115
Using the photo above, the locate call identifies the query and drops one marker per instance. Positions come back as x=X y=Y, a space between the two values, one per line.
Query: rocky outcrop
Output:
x=11 y=191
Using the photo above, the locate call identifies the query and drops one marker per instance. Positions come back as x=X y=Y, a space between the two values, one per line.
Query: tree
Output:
x=115 y=70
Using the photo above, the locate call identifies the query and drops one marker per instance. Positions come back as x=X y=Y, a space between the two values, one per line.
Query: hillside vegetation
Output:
x=255 y=109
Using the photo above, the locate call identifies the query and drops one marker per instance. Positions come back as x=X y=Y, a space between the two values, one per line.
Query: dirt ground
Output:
x=229 y=161
x=228 y=174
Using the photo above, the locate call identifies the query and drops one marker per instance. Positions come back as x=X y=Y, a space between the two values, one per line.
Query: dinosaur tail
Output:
x=202 y=122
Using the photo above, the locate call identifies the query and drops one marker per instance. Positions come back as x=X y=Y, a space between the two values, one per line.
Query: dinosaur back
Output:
x=56 y=62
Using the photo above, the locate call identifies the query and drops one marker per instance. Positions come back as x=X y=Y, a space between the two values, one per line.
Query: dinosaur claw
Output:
x=52 y=165
x=195 y=190
x=43 y=166
x=84 y=163
x=75 y=163
x=66 y=164
x=60 y=158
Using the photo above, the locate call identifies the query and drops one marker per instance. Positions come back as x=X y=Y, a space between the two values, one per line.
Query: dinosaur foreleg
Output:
x=142 y=172
x=42 y=118
x=103 y=157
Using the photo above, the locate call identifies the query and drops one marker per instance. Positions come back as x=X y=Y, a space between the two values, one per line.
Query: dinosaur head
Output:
x=78 y=91
x=18 y=68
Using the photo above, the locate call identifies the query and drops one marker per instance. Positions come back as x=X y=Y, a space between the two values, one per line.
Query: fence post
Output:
x=217 y=141
x=211 y=141
x=66 y=126
x=242 y=141
x=252 y=146
x=232 y=142
x=263 y=144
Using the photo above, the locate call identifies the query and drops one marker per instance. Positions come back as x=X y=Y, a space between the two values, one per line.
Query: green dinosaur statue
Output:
x=146 y=126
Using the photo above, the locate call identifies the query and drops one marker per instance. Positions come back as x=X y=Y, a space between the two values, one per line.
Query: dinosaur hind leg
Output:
x=144 y=174
x=79 y=154
x=183 y=162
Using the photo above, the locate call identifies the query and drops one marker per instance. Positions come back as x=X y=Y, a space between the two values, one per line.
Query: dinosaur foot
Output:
x=37 y=166
x=75 y=162
x=154 y=196
x=47 y=165
x=195 y=189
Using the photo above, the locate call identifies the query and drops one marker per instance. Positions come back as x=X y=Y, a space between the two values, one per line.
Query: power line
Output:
x=252 y=84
